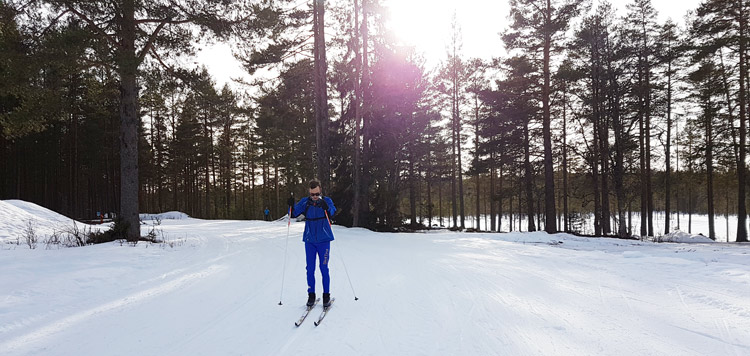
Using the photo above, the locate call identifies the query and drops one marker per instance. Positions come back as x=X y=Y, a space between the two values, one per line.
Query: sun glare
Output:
x=412 y=21
x=421 y=23
x=426 y=24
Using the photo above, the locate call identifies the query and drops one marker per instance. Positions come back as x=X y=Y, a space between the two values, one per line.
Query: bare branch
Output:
x=95 y=27
x=156 y=56
x=150 y=43
x=51 y=24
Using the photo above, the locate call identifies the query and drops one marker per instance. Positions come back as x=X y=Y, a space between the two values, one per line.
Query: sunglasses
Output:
x=314 y=194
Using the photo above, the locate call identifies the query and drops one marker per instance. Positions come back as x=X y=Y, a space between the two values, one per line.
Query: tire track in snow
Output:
x=65 y=323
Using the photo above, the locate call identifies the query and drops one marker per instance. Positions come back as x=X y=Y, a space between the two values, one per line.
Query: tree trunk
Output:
x=454 y=154
x=677 y=173
x=207 y=163
x=619 y=167
x=642 y=147
x=510 y=205
x=595 y=179
x=604 y=160
x=565 y=160
x=549 y=173
x=412 y=190
x=277 y=204
x=461 y=184
x=430 y=209
x=129 y=122
x=364 y=206
x=440 y=202
x=690 y=192
x=476 y=154
x=321 y=93
x=357 y=117
x=741 y=168
x=528 y=180
x=668 y=171
x=500 y=200
x=492 y=227
x=649 y=191
x=710 y=171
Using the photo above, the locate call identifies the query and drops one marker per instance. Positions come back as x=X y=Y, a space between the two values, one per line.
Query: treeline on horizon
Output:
x=587 y=113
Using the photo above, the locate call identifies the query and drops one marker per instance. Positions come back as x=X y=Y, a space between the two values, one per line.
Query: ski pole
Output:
x=283 y=274
x=342 y=259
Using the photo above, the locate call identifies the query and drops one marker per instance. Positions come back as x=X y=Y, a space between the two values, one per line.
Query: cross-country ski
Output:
x=324 y=313
x=306 y=313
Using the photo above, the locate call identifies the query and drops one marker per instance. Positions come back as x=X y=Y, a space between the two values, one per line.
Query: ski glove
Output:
x=323 y=204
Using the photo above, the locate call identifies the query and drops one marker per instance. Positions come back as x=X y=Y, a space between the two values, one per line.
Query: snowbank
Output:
x=683 y=237
x=15 y=216
x=170 y=215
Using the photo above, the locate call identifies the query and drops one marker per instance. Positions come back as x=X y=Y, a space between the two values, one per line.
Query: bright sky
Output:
x=426 y=25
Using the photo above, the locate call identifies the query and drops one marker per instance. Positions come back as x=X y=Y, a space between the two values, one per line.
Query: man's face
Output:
x=315 y=193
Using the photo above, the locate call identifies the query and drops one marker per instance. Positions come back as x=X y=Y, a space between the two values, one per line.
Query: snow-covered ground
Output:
x=214 y=289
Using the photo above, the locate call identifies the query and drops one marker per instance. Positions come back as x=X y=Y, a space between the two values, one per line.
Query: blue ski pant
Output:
x=322 y=250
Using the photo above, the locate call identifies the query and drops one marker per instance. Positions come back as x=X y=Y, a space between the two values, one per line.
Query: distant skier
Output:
x=267 y=215
x=317 y=238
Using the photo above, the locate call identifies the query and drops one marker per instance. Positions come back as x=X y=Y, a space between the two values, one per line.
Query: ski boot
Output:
x=310 y=299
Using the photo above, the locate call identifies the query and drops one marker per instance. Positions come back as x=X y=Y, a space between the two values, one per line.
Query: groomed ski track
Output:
x=215 y=291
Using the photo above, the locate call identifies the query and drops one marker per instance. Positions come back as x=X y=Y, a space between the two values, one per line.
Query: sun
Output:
x=427 y=25
x=423 y=24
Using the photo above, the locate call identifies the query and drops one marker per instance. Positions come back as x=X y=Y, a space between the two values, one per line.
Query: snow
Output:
x=684 y=237
x=214 y=289
x=15 y=216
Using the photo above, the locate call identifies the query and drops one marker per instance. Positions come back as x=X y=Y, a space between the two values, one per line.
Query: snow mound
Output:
x=15 y=216
x=170 y=215
x=683 y=237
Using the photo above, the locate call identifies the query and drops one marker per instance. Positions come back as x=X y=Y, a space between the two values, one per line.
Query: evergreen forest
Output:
x=594 y=120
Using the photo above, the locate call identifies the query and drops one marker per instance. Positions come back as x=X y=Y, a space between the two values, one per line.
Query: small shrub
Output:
x=53 y=240
x=29 y=234
x=75 y=237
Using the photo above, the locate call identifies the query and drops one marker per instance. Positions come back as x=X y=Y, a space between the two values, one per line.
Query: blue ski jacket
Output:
x=317 y=227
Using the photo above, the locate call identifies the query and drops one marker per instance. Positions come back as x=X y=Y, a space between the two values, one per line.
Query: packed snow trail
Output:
x=215 y=292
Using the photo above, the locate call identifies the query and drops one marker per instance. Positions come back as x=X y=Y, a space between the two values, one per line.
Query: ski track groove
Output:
x=55 y=327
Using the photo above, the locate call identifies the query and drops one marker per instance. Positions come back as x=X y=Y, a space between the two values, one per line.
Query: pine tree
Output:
x=706 y=84
x=723 y=24
x=537 y=25
x=124 y=35
x=477 y=83
x=642 y=32
x=669 y=41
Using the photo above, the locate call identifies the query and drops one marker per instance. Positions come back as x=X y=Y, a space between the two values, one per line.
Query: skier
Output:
x=267 y=214
x=317 y=237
